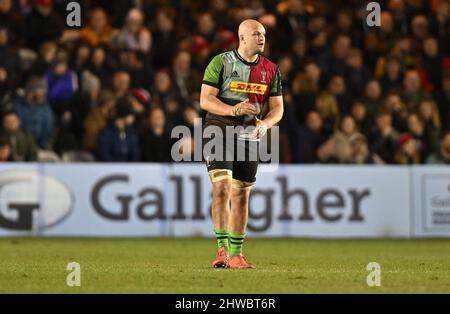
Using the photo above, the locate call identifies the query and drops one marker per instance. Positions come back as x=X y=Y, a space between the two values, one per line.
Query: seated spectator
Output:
x=9 y=60
x=338 y=147
x=139 y=100
x=154 y=135
x=165 y=37
x=327 y=107
x=442 y=156
x=337 y=87
x=134 y=35
x=62 y=84
x=385 y=136
x=360 y=153
x=118 y=142
x=309 y=138
x=23 y=146
x=395 y=105
x=429 y=115
x=407 y=152
x=98 y=118
x=98 y=31
x=413 y=92
x=392 y=76
x=44 y=60
x=43 y=23
x=373 y=96
x=121 y=83
x=363 y=122
x=443 y=101
x=185 y=78
x=101 y=65
x=426 y=139
x=35 y=114
x=5 y=149
x=357 y=74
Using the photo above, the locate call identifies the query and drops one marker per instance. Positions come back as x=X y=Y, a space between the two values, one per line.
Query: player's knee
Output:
x=222 y=190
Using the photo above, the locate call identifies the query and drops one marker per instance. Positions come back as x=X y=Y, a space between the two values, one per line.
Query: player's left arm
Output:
x=275 y=107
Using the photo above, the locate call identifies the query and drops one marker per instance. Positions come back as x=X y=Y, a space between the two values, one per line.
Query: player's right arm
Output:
x=212 y=81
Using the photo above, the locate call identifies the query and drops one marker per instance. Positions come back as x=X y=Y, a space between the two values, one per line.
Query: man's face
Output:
x=11 y=123
x=255 y=39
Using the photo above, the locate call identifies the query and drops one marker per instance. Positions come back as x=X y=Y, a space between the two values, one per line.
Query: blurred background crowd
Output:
x=113 y=89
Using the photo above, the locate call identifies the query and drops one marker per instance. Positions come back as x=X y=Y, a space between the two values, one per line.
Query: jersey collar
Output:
x=245 y=61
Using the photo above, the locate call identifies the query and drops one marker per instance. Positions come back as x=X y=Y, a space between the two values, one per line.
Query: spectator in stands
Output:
x=360 y=153
x=165 y=38
x=392 y=76
x=443 y=101
x=420 y=31
x=155 y=134
x=310 y=137
x=133 y=35
x=338 y=147
x=98 y=118
x=44 y=60
x=413 y=92
x=98 y=31
x=134 y=64
x=185 y=78
x=357 y=75
x=338 y=88
x=373 y=96
x=385 y=137
x=43 y=23
x=35 y=114
x=363 y=121
x=23 y=146
x=305 y=88
x=333 y=63
x=431 y=64
x=13 y=21
x=139 y=100
x=429 y=115
x=121 y=83
x=9 y=60
x=381 y=39
x=62 y=85
x=442 y=156
x=426 y=139
x=397 y=108
x=163 y=88
x=118 y=142
x=407 y=152
x=327 y=107
x=5 y=149
x=101 y=65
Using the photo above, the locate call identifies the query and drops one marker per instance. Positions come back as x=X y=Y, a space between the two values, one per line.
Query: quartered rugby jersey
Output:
x=238 y=79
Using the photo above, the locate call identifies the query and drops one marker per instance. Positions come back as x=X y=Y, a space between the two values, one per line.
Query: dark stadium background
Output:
x=384 y=88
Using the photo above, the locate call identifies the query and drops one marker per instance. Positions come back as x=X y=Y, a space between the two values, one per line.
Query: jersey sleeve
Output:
x=275 y=88
x=213 y=72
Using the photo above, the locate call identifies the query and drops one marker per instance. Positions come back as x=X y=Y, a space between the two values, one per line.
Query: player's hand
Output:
x=244 y=108
x=261 y=128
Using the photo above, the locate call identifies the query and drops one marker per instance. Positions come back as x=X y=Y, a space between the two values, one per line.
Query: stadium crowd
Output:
x=113 y=89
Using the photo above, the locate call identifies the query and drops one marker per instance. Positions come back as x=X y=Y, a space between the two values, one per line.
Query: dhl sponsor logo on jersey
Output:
x=251 y=88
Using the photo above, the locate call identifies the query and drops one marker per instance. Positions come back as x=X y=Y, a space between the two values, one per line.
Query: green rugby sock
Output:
x=236 y=243
x=222 y=238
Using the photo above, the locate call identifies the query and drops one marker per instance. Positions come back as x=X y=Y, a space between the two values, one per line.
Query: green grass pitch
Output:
x=155 y=265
